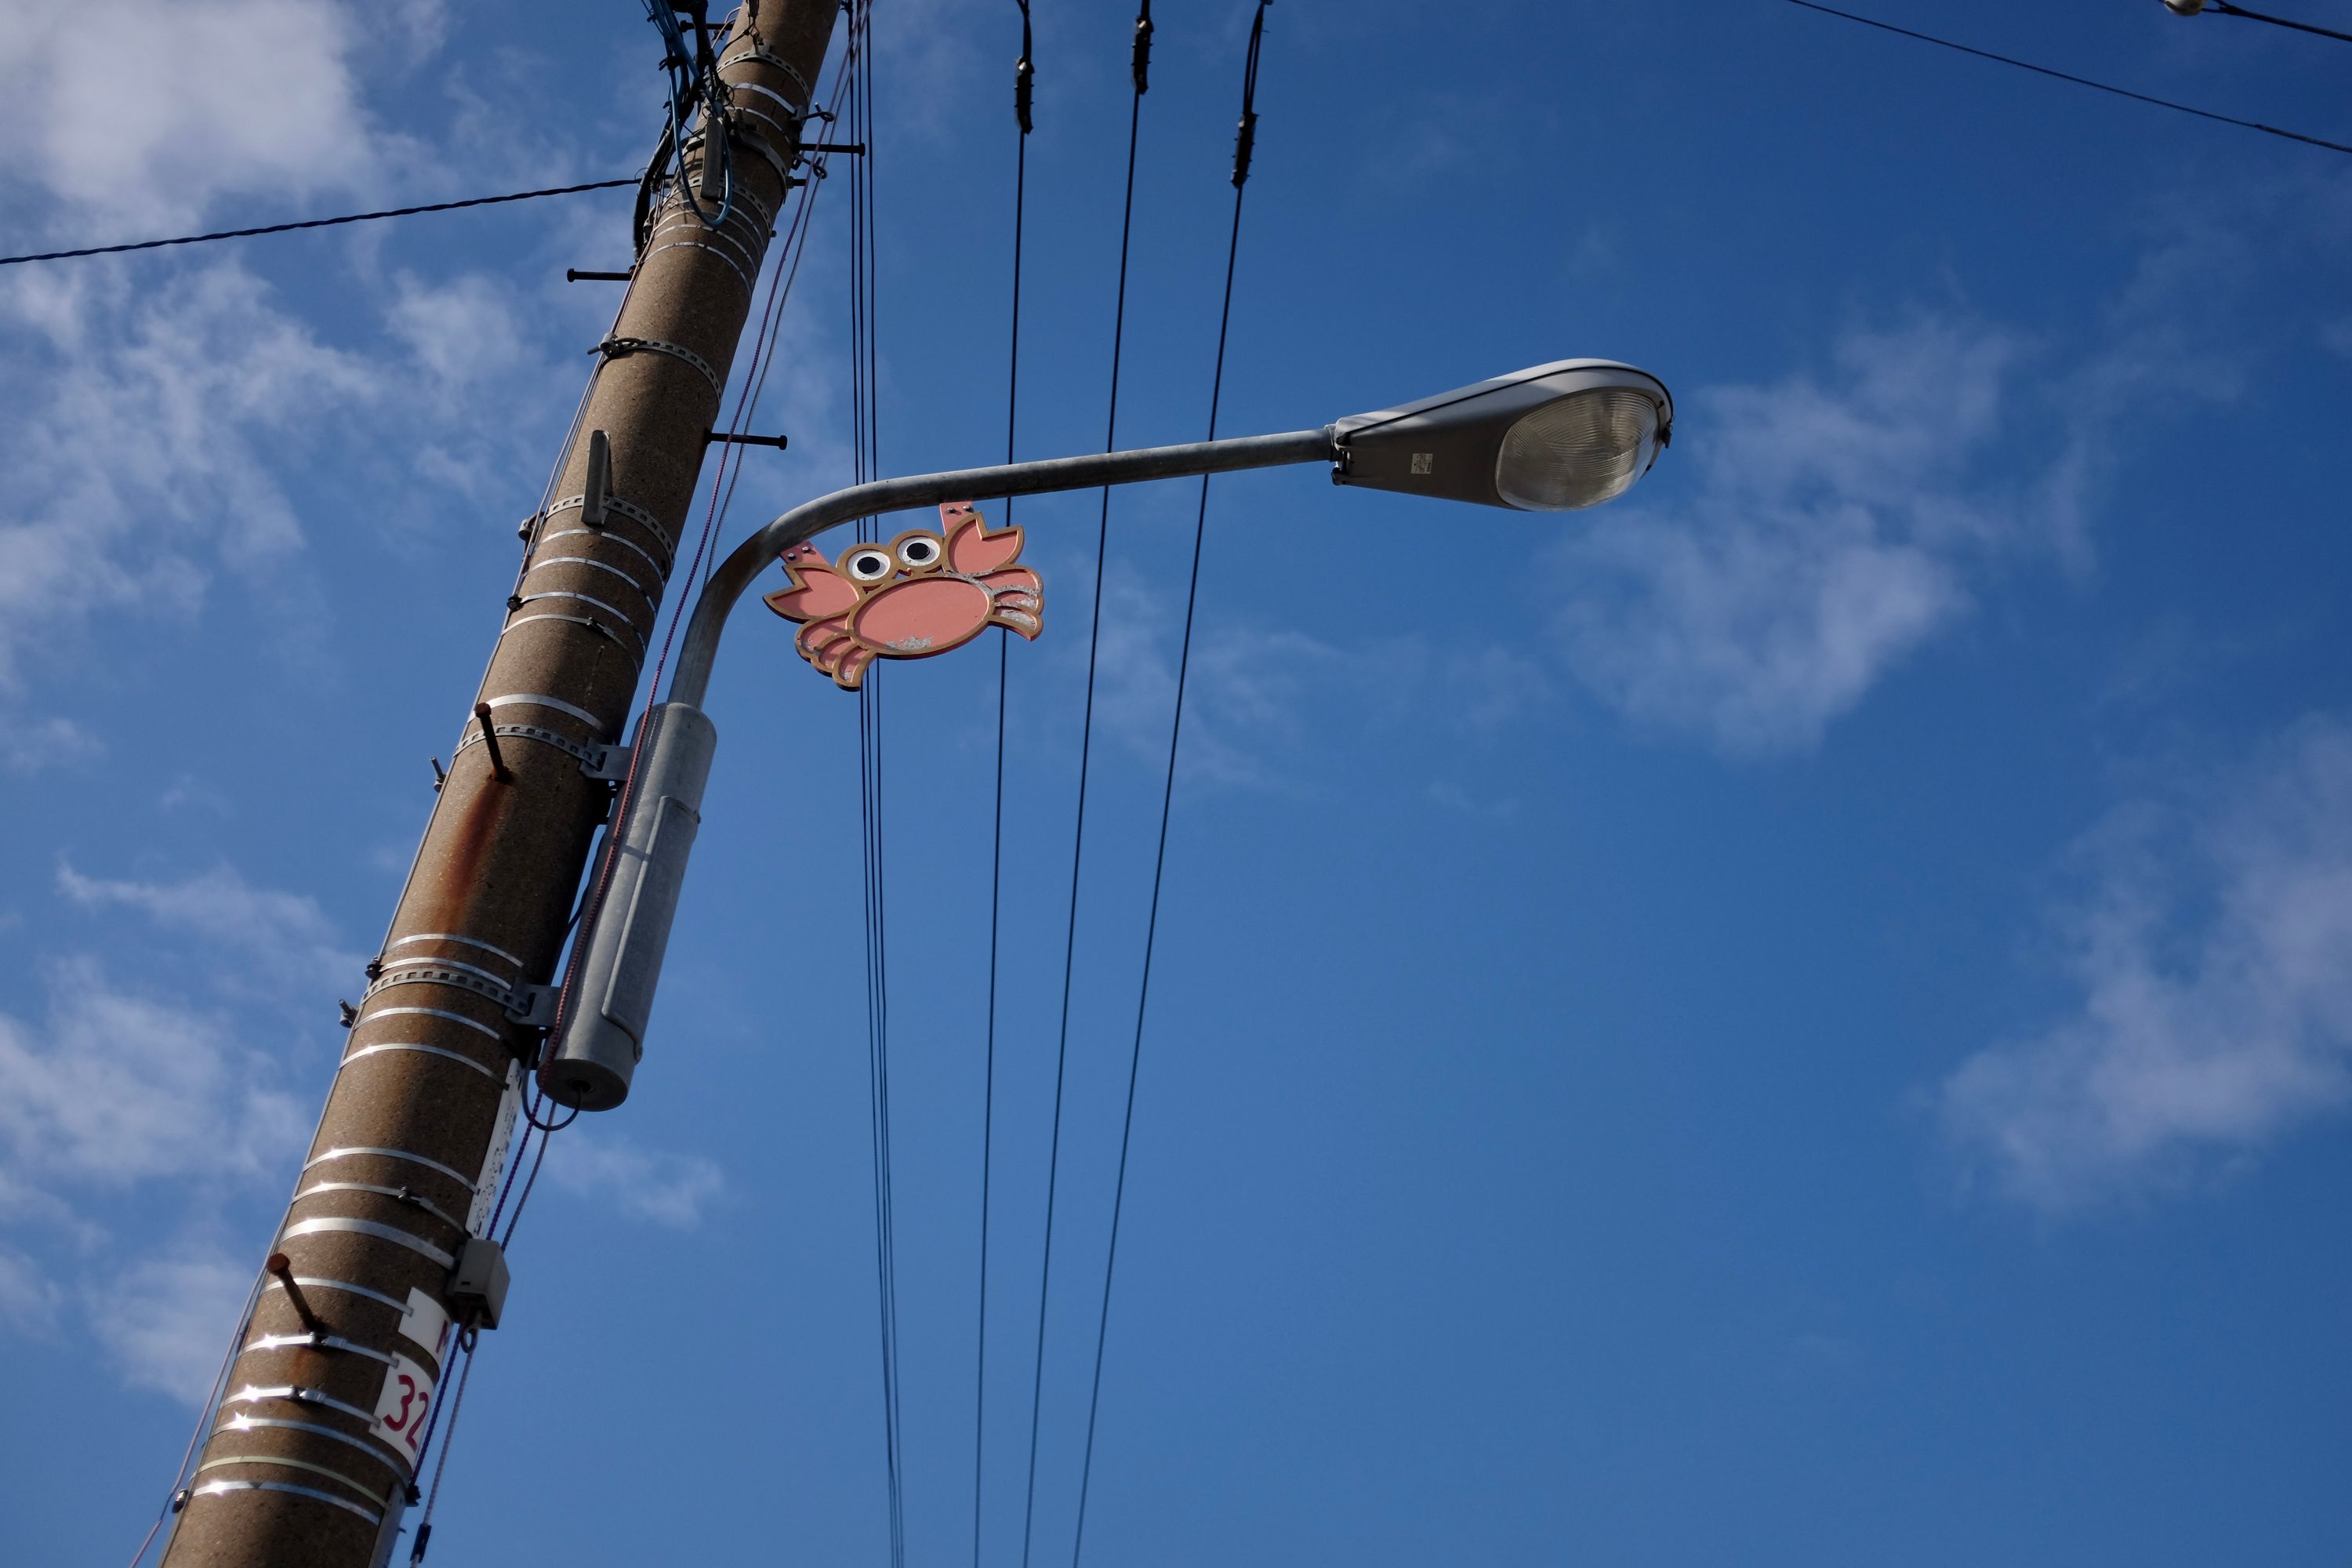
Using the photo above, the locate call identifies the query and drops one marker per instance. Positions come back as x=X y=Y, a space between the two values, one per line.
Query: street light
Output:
x=1553 y=438
x=1571 y=434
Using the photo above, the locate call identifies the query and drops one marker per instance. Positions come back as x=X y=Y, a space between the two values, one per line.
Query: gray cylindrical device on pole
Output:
x=601 y=1034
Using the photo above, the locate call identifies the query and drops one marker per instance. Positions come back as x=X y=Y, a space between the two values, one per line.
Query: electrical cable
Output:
x=869 y=757
x=319 y=222
x=1078 y=830
x=2223 y=8
x=2077 y=81
x=204 y=1415
x=1168 y=791
x=1022 y=76
x=693 y=81
x=466 y=1339
x=866 y=441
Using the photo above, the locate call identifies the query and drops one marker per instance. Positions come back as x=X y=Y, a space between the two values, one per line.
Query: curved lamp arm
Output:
x=749 y=559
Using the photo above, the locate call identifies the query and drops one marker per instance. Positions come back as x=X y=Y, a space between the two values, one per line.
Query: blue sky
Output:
x=1801 y=1018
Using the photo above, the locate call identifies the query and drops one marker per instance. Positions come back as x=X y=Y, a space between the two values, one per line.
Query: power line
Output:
x=320 y=222
x=2077 y=81
x=1078 y=832
x=2223 y=8
x=1023 y=74
x=864 y=393
x=1245 y=144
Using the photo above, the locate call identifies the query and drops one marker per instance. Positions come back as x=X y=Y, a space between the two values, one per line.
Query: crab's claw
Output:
x=972 y=549
x=817 y=590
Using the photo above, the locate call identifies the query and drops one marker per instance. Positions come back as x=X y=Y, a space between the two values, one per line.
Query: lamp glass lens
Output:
x=1578 y=450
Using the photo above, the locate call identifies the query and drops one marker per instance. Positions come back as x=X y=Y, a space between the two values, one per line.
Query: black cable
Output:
x=2077 y=81
x=467 y=1341
x=319 y=222
x=869 y=713
x=1078 y=832
x=1021 y=75
x=2223 y=8
x=1168 y=791
x=865 y=366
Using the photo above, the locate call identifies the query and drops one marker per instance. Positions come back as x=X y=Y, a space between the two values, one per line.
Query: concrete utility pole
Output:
x=309 y=1459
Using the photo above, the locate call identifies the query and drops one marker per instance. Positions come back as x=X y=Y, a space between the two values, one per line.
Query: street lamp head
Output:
x=1554 y=438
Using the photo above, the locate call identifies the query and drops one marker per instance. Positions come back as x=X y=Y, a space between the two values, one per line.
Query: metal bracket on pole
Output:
x=532 y=1007
x=608 y=765
x=599 y=482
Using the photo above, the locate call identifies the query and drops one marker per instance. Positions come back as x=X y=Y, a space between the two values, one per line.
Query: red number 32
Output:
x=411 y=1418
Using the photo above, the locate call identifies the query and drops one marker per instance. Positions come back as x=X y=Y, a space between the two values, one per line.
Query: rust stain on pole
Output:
x=405 y=1142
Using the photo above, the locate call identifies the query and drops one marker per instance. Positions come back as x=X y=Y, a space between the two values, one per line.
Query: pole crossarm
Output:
x=805 y=522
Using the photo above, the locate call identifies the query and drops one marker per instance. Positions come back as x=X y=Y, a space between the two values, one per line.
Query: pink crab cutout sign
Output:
x=920 y=595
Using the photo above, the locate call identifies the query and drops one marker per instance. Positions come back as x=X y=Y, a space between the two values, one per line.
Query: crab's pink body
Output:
x=920 y=595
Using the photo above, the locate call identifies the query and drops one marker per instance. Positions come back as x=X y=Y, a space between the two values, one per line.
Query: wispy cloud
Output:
x=1259 y=694
x=184 y=105
x=112 y=1088
x=1842 y=518
x=28 y=1297
x=2212 y=943
x=28 y=745
x=135 y=1109
x=139 y=471
x=284 y=938
x=667 y=1189
x=1838 y=525
x=166 y=1320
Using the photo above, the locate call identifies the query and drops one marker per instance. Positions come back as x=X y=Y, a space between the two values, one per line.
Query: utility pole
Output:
x=382 y=1258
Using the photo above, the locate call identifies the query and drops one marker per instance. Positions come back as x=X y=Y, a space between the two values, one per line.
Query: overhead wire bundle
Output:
x=865 y=445
x=692 y=73
x=1023 y=76
x=1086 y=749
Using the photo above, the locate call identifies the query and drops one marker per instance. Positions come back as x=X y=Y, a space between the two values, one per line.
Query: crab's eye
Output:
x=869 y=564
x=921 y=551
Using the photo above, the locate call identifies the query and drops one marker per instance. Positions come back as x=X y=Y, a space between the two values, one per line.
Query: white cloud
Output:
x=285 y=938
x=461 y=329
x=1837 y=526
x=28 y=1297
x=115 y=1089
x=120 y=1107
x=2214 y=952
x=1254 y=688
x=166 y=1321
x=28 y=745
x=667 y=1189
x=161 y=430
x=139 y=464
x=136 y=119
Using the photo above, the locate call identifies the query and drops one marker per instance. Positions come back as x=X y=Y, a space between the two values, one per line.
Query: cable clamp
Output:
x=627 y=508
x=760 y=52
x=612 y=347
x=767 y=151
x=441 y=972
x=584 y=755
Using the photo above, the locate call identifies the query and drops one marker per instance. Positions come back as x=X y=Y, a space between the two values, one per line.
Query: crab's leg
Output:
x=1015 y=600
x=851 y=670
x=822 y=642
